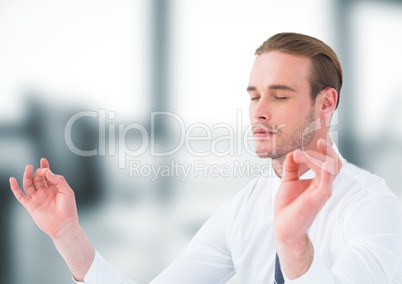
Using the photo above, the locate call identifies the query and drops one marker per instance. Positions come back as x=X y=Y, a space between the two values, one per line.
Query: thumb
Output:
x=59 y=181
x=291 y=168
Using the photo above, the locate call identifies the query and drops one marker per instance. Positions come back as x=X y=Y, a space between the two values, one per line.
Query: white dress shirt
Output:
x=357 y=238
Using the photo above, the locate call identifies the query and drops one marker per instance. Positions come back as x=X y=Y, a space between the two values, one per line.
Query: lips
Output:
x=262 y=132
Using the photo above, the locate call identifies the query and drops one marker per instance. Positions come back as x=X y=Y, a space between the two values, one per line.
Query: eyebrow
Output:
x=272 y=87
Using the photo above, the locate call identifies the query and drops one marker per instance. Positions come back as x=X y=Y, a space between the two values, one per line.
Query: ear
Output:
x=329 y=98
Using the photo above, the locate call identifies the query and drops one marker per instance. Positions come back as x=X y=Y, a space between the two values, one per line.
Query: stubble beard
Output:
x=299 y=138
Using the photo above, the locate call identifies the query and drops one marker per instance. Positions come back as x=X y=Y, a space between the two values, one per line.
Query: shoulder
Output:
x=353 y=180
x=364 y=197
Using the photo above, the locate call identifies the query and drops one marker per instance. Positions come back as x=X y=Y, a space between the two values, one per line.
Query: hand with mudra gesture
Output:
x=298 y=201
x=51 y=203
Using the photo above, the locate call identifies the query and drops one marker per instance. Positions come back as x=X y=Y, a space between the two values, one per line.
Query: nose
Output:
x=260 y=110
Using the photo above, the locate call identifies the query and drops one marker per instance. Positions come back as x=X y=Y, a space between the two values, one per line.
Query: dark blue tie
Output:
x=278 y=272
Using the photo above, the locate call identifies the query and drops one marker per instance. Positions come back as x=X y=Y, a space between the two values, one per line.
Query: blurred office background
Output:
x=119 y=61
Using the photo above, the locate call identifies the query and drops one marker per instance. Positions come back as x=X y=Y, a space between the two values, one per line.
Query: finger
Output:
x=27 y=181
x=291 y=168
x=316 y=159
x=39 y=179
x=59 y=181
x=44 y=163
x=324 y=188
x=326 y=149
x=313 y=160
x=15 y=188
x=311 y=201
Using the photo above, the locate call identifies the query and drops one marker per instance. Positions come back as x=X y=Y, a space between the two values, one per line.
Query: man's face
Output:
x=281 y=109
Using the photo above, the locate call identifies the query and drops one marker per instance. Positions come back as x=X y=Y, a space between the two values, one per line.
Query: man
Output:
x=320 y=220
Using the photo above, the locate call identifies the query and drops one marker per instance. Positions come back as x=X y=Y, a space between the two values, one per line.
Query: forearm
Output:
x=295 y=256
x=75 y=248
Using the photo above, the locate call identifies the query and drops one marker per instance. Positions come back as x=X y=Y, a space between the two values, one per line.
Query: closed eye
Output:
x=281 y=98
x=254 y=98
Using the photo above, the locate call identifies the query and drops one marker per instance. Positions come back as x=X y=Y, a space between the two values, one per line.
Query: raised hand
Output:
x=298 y=202
x=51 y=203
x=49 y=199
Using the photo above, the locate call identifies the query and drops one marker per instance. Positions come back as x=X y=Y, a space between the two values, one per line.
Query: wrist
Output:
x=69 y=231
x=295 y=256
x=75 y=248
x=294 y=245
